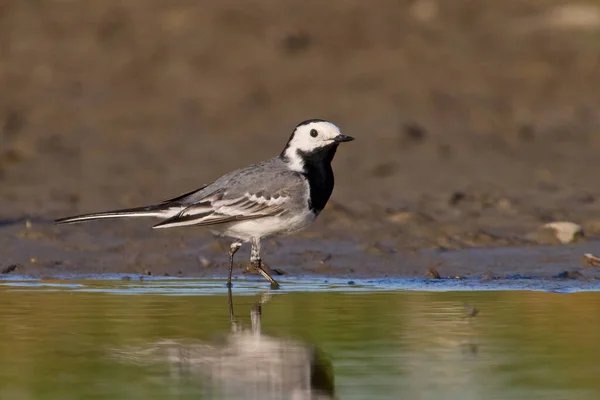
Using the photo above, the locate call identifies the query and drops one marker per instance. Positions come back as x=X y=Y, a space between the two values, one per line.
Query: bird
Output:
x=276 y=197
x=245 y=363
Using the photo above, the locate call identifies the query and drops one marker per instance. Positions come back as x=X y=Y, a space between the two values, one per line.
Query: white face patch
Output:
x=308 y=138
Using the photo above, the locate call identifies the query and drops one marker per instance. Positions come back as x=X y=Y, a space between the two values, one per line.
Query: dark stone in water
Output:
x=432 y=273
x=10 y=268
x=570 y=275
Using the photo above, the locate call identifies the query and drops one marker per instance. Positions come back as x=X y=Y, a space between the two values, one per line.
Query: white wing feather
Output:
x=217 y=209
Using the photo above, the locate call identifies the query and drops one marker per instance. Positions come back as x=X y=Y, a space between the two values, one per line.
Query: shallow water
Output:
x=163 y=339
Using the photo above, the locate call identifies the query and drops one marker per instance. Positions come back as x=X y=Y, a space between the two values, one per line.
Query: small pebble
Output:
x=590 y=260
x=326 y=258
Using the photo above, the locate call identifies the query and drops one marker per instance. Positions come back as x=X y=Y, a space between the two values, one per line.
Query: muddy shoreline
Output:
x=43 y=250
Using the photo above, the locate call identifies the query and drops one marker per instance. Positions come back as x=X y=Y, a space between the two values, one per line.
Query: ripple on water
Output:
x=196 y=287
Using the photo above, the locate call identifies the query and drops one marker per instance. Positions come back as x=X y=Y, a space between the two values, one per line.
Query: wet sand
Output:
x=475 y=125
x=45 y=250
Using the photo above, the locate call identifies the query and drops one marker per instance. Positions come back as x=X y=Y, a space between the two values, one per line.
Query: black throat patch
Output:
x=318 y=172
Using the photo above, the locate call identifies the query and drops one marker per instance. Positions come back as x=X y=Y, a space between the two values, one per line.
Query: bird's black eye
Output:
x=313 y=133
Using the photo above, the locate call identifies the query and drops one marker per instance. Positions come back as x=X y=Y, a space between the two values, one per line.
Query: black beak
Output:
x=343 y=138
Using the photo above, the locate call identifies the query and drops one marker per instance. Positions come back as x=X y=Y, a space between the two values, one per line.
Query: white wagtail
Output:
x=275 y=197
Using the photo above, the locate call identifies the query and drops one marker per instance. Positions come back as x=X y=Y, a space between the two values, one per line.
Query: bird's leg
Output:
x=256 y=312
x=234 y=324
x=235 y=246
x=255 y=316
x=256 y=263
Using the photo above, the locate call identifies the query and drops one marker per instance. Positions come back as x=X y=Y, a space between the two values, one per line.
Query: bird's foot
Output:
x=259 y=267
x=255 y=266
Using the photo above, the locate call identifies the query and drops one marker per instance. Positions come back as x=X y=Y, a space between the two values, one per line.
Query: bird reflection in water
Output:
x=248 y=364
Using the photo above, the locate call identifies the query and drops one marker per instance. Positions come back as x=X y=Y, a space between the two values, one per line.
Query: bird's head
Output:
x=311 y=138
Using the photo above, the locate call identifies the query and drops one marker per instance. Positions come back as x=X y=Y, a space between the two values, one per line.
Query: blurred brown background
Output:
x=481 y=114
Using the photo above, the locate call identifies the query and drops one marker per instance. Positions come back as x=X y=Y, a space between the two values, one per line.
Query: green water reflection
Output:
x=390 y=345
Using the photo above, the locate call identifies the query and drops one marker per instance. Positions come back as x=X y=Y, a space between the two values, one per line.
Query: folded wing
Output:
x=219 y=208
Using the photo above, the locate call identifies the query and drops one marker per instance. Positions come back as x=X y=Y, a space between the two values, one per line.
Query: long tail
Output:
x=157 y=211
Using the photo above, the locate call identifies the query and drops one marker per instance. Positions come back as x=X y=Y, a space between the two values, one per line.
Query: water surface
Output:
x=97 y=339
